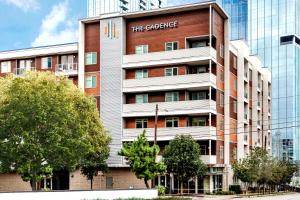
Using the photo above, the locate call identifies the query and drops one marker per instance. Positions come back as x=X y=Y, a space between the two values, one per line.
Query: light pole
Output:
x=155 y=124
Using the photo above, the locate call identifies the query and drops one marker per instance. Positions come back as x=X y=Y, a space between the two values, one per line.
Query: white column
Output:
x=196 y=185
x=211 y=183
x=81 y=56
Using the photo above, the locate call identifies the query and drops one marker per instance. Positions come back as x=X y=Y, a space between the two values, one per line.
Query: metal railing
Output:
x=22 y=71
x=66 y=67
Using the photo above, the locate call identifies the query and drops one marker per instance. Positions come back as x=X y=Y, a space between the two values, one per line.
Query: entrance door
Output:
x=109 y=182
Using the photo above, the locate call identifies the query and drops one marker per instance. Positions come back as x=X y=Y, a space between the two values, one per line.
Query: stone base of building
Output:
x=119 y=178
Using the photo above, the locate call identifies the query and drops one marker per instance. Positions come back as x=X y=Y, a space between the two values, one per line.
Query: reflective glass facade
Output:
x=238 y=12
x=273 y=30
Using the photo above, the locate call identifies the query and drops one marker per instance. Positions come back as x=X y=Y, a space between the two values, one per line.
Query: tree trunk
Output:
x=146 y=183
x=91 y=183
x=33 y=186
x=181 y=188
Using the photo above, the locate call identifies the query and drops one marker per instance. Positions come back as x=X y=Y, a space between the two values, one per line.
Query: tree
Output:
x=182 y=157
x=142 y=158
x=93 y=163
x=46 y=124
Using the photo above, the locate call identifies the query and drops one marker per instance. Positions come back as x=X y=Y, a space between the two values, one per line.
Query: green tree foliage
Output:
x=46 y=124
x=259 y=168
x=182 y=157
x=142 y=158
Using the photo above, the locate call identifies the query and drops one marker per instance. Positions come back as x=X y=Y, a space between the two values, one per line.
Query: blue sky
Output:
x=26 y=23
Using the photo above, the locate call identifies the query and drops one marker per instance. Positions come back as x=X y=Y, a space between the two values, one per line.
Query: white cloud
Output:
x=56 y=27
x=25 y=5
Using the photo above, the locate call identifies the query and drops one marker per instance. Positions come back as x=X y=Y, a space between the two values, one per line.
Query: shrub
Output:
x=161 y=190
x=235 y=188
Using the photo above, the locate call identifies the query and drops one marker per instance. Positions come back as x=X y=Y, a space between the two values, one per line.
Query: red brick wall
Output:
x=190 y=23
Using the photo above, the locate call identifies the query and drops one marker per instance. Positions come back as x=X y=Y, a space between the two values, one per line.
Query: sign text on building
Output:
x=159 y=26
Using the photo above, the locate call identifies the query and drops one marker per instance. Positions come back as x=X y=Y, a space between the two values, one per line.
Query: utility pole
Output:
x=155 y=124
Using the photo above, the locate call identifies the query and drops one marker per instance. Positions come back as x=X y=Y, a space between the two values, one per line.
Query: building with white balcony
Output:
x=179 y=59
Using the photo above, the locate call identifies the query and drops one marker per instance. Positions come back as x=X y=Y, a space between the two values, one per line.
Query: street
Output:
x=279 y=197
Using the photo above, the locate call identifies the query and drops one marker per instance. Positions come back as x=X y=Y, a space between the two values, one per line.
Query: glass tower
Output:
x=98 y=7
x=274 y=37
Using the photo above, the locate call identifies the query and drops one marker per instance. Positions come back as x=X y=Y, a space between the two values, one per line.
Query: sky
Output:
x=31 y=23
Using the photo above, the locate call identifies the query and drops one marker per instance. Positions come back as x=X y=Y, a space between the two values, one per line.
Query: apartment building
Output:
x=98 y=7
x=179 y=58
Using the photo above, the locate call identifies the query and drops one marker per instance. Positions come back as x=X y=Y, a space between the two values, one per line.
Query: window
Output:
x=141 y=49
x=234 y=62
x=198 y=95
x=171 y=71
x=141 y=123
x=143 y=73
x=199 y=69
x=203 y=150
x=46 y=62
x=172 y=96
x=235 y=85
x=222 y=76
x=222 y=51
x=172 y=122
x=91 y=58
x=221 y=124
x=221 y=152
x=250 y=74
x=196 y=44
x=199 y=121
x=5 y=67
x=234 y=106
x=170 y=46
x=222 y=100
x=90 y=82
x=141 y=98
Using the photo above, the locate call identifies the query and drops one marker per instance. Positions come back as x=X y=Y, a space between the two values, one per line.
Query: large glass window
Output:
x=141 y=123
x=91 y=58
x=172 y=122
x=141 y=98
x=5 y=67
x=170 y=46
x=46 y=62
x=143 y=73
x=90 y=82
x=199 y=121
x=171 y=71
x=234 y=106
x=141 y=49
x=198 y=95
x=172 y=96
x=199 y=69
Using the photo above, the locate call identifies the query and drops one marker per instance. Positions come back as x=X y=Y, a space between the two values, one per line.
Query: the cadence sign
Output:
x=152 y=27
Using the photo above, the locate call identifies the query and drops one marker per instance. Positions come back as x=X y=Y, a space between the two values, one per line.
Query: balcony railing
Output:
x=245 y=138
x=207 y=159
x=170 y=108
x=246 y=116
x=166 y=134
x=22 y=71
x=246 y=74
x=258 y=122
x=169 y=57
x=169 y=82
x=66 y=69
x=246 y=95
x=258 y=103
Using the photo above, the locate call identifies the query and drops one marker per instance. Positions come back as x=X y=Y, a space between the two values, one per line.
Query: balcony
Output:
x=170 y=82
x=67 y=69
x=206 y=159
x=169 y=57
x=209 y=159
x=22 y=71
x=166 y=134
x=170 y=108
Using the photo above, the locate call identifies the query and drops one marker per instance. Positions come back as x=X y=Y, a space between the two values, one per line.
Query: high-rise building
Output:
x=274 y=36
x=179 y=58
x=98 y=7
